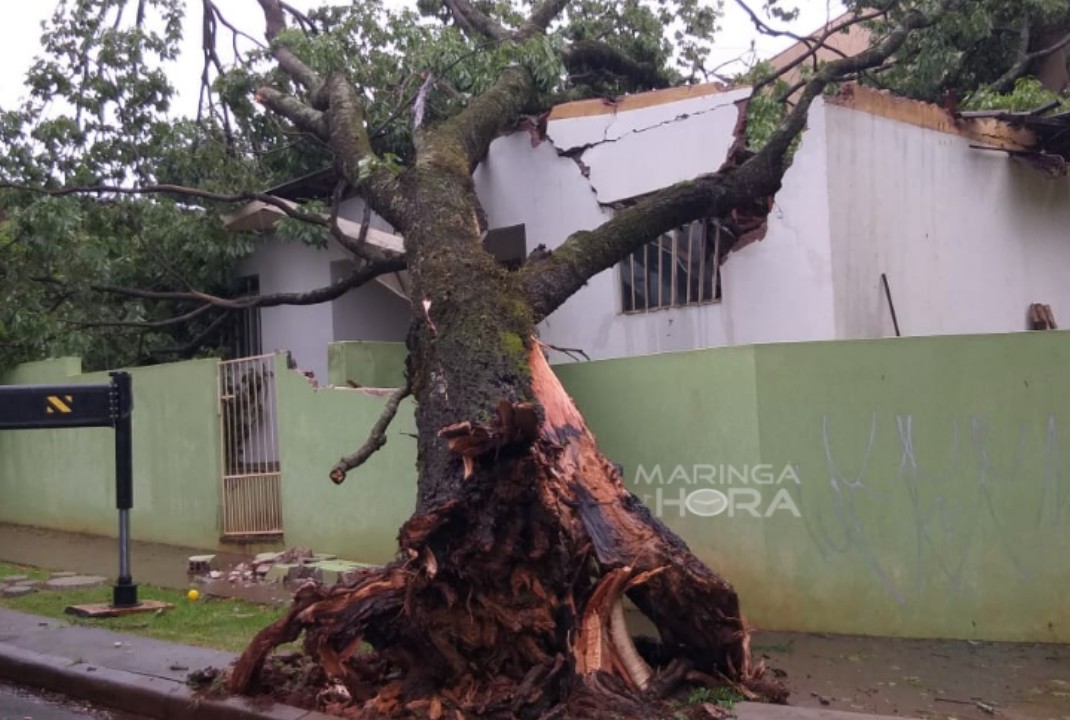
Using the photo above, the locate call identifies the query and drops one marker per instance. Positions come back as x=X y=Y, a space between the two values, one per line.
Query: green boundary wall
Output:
x=905 y=487
x=65 y=479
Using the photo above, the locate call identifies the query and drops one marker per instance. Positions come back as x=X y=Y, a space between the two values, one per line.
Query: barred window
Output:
x=681 y=267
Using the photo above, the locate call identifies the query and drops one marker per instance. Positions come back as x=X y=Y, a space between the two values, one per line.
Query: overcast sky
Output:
x=22 y=32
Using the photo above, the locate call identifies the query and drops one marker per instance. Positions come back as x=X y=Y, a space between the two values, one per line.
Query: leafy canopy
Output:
x=100 y=110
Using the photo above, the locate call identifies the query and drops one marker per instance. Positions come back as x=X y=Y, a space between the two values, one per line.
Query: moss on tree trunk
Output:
x=505 y=599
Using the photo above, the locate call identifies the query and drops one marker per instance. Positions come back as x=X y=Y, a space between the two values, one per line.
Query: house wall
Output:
x=967 y=238
x=303 y=330
x=371 y=312
x=775 y=290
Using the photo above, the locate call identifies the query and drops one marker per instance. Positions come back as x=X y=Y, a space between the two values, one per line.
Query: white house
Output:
x=886 y=199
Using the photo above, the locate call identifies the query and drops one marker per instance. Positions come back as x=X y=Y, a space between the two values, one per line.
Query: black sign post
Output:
x=79 y=406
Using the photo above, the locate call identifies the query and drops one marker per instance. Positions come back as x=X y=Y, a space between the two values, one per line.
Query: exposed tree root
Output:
x=507 y=598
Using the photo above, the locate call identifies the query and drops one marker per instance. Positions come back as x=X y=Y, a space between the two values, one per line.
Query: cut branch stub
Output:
x=516 y=424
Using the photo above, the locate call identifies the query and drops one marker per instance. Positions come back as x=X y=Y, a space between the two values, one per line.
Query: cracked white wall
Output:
x=967 y=238
x=776 y=290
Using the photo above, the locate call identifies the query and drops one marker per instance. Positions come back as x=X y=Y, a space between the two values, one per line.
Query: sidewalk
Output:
x=153 y=563
x=127 y=673
x=147 y=677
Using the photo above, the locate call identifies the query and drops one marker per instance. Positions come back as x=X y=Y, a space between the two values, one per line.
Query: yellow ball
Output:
x=193 y=595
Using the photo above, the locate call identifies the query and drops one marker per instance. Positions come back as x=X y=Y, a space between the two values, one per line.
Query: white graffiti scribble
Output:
x=949 y=507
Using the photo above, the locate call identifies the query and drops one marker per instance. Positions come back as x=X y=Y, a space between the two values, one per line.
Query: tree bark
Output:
x=505 y=599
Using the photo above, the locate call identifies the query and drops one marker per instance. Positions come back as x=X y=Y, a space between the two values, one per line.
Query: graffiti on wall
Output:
x=994 y=488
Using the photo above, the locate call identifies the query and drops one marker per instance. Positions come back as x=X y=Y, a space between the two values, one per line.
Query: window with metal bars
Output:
x=679 y=268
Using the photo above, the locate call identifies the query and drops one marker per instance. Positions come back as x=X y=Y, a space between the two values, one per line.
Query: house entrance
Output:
x=249 y=428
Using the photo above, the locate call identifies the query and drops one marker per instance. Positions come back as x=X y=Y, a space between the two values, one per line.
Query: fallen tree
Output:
x=507 y=595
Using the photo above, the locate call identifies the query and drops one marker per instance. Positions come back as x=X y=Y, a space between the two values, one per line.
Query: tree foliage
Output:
x=100 y=110
x=505 y=598
x=985 y=48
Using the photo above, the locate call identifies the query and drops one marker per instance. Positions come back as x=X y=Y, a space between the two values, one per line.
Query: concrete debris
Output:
x=288 y=568
x=199 y=564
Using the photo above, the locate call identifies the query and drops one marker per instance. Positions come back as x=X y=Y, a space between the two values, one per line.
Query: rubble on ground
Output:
x=287 y=568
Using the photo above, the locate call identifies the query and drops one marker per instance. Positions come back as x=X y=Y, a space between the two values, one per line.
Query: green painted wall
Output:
x=925 y=485
x=910 y=487
x=65 y=479
x=654 y=413
x=369 y=364
x=933 y=495
x=360 y=518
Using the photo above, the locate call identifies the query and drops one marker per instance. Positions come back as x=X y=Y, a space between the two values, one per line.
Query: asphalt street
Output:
x=21 y=704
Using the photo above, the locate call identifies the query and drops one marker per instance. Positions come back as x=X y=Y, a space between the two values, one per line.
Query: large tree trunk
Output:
x=506 y=597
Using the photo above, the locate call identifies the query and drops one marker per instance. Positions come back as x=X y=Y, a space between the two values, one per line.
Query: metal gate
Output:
x=248 y=422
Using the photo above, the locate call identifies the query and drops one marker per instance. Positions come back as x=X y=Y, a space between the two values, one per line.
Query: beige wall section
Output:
x=850 y=42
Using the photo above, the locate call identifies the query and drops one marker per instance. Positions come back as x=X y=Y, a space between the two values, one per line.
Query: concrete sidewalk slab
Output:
x=131 y=674
x=762 y=711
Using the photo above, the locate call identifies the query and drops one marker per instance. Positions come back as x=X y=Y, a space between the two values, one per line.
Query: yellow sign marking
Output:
x=55 y=402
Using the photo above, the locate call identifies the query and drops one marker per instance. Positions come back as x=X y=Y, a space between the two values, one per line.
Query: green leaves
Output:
x=1028 y=94
x=968 y=49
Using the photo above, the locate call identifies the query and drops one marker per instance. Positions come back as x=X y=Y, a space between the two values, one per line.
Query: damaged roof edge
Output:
x=638 y=101
x=986 y=131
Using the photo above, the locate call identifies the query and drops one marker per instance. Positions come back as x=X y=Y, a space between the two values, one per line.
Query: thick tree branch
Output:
x=541 y=17
x=347 y=133
x=361 y=275
x=335 y=114
x=488 y=115
x=474 y=22
x=587 y=55
x=1005 y=83
x=376 y=438
x=553 y=277
x=303 y=116
x=275 y=17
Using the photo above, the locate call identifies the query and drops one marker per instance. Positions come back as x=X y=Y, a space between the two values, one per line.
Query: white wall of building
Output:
x=775 y=290
x=367 y=313
x=304 y=330
x=967 y=237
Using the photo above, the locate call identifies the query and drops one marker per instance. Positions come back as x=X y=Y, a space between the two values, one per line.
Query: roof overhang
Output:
x=259 y=216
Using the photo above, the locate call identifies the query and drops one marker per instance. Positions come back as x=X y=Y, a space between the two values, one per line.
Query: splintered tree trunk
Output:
x=506 y=596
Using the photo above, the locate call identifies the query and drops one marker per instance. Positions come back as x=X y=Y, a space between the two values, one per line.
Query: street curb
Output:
x=146 y=695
